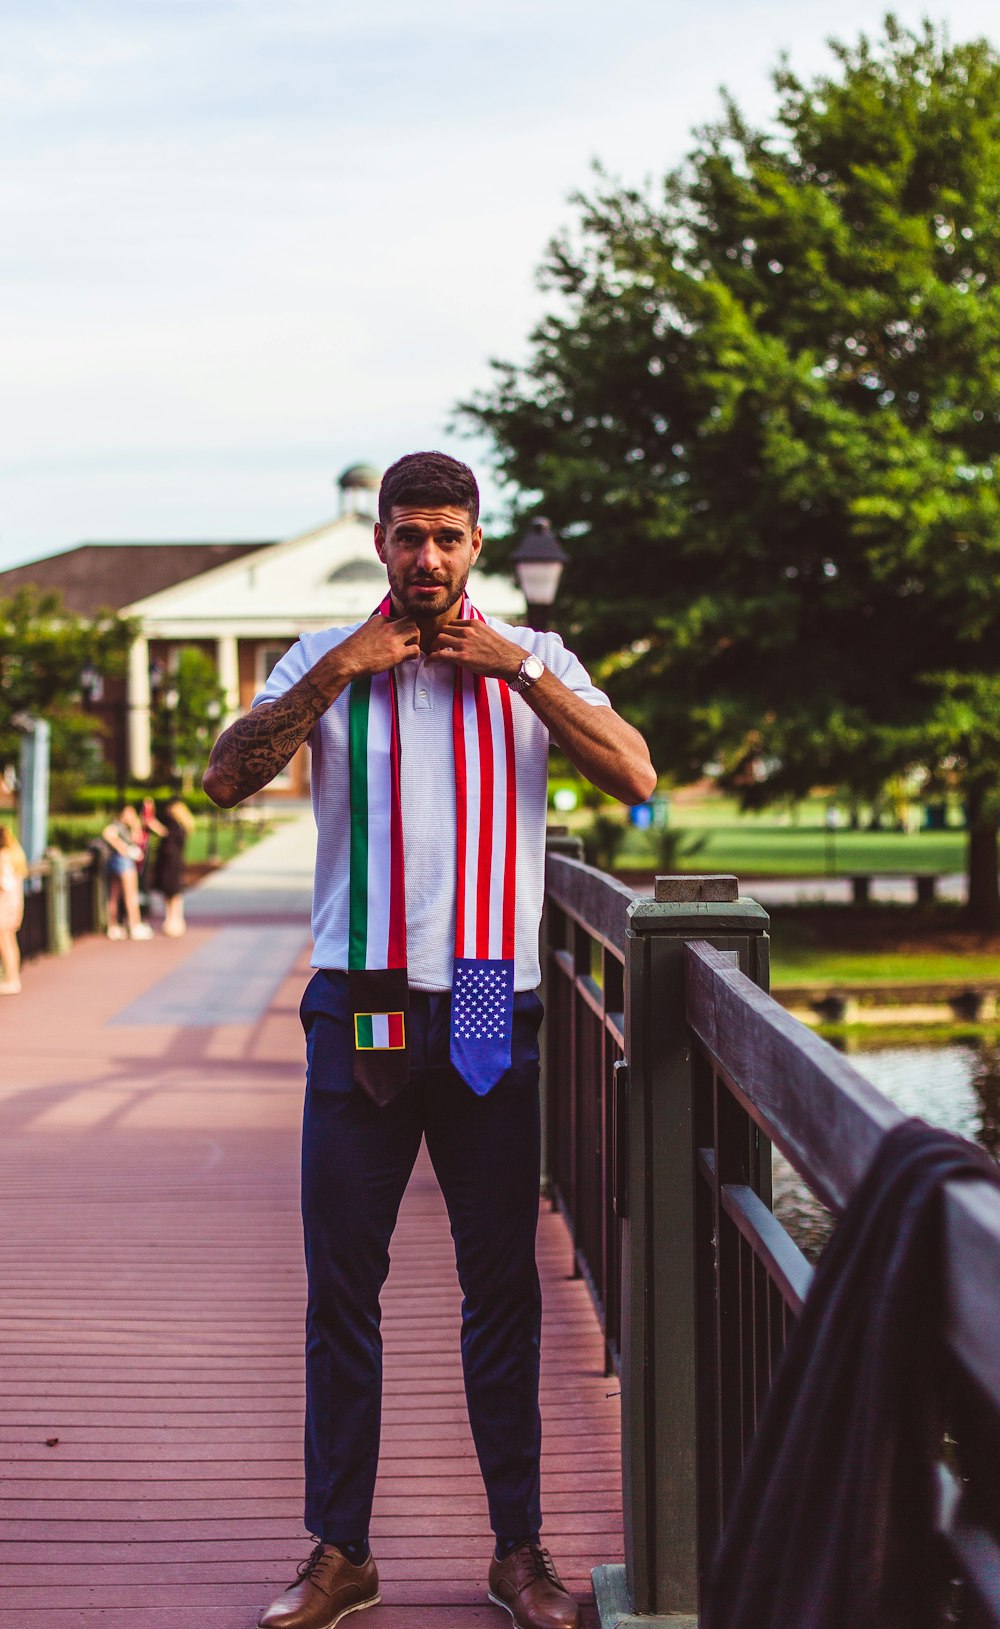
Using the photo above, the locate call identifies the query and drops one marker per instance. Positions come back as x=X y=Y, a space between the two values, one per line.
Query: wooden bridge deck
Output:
x=151 y=1297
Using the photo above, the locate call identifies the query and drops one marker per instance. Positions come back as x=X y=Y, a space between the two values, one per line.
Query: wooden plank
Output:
x=152 y=1293
x=386 y=1616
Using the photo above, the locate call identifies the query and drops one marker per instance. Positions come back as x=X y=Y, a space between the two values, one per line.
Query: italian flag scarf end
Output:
x=380 y=1001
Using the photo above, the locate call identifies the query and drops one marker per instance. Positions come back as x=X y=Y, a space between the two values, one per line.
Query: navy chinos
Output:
x=356 y=1162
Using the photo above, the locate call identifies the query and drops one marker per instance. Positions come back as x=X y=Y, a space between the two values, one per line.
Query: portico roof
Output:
x=109 y=576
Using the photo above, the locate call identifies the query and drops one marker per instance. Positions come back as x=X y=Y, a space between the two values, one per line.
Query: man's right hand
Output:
x=379 y=644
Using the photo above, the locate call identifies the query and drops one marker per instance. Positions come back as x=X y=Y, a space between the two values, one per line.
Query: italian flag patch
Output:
x=379 y=1031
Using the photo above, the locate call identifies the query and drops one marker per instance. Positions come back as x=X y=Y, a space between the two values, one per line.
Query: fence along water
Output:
x=669 y=1071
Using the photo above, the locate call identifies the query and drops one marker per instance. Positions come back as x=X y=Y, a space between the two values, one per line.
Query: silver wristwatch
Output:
x=529 y=673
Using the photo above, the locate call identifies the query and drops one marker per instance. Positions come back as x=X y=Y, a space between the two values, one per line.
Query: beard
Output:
x=416 y=607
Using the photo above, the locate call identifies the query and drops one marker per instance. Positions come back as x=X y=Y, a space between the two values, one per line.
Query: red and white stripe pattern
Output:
x=486 y=814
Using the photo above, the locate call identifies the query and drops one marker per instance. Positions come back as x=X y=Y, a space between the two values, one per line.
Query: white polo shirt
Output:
x=427 y=788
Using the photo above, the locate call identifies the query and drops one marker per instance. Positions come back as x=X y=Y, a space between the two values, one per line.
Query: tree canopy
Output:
x=44 y=652
x=764 y=412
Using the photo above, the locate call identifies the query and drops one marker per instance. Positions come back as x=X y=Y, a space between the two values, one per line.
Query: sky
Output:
x=249 y=242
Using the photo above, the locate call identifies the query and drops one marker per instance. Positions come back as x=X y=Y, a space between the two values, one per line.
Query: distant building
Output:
x=244 y=603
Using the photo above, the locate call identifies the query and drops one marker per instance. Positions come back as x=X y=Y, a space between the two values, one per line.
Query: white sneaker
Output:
x=142 y=930
x=116 y=931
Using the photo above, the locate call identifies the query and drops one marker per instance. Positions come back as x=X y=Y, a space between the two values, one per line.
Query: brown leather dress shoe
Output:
x=327 y=1587
x=526 y=1584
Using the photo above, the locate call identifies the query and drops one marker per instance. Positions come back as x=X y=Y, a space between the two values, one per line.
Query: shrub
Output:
x=602 y=840
x=673 y=845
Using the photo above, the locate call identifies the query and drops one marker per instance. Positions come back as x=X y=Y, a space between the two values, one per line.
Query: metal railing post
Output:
x=660 y=1447
x=56 y=885
x=98 y=887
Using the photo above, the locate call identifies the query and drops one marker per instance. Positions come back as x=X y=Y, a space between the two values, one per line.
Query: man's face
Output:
x=428 y=554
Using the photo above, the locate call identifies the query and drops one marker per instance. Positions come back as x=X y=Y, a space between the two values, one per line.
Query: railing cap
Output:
x=689 y=889
x=697 y=916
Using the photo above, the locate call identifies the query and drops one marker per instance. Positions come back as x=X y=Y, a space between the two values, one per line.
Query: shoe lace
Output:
x=541 y=1564
x=307 y=1569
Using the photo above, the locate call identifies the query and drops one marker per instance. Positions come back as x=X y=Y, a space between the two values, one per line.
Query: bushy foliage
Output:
x=764 y=412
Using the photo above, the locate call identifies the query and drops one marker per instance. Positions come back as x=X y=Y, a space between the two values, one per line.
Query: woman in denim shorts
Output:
x=123 y=835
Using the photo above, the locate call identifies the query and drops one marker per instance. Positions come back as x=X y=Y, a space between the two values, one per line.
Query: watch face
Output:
x=533 y=667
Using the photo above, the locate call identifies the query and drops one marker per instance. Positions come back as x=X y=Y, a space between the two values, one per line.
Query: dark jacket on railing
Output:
x=833 y=1524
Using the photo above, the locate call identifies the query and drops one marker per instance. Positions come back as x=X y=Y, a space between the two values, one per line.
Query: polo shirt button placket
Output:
x=422 y=692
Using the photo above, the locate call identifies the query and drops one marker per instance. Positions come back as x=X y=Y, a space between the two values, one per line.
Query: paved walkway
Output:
x=152 y=1292
x=836 y=890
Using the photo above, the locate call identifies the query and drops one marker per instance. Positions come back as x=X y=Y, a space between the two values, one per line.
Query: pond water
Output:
x=955 y=1086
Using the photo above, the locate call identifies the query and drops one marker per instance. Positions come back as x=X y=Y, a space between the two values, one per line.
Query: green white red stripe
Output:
x=379 y=1031
x=377 y=924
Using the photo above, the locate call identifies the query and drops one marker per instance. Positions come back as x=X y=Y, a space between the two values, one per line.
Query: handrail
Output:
x=76 y=863
x=596 y=901
x=64 y=897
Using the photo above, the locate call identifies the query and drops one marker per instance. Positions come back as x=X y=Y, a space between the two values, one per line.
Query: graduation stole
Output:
x=482 y=996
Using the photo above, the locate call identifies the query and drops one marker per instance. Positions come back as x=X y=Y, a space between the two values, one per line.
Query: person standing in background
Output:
x=176 y=827
x=13 y=870
x=123 y=835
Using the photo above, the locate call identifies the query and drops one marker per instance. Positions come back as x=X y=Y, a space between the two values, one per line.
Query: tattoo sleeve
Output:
x=258 y=746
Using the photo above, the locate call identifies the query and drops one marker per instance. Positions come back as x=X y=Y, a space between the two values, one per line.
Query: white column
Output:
x=227 y=662
x=140 y=760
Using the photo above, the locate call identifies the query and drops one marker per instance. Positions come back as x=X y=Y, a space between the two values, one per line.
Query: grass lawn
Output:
x=797 y=964
x=756 y=846
x=777 y=842
x=852 y=946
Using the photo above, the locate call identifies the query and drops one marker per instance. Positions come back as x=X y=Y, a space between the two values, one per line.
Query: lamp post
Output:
x=91 y=685
x=171 y=698
x=538 y=561
x=33 y=810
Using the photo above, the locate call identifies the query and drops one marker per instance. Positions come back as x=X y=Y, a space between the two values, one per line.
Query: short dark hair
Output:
x=430 y=478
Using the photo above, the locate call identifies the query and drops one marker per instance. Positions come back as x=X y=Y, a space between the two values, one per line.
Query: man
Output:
x=429 y=729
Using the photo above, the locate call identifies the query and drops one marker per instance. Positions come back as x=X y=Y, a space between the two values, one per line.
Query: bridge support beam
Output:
x=662 y=1232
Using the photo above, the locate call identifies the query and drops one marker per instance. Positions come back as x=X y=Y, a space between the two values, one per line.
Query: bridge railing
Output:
x=660 y=1130
x=64 y=899
x=586 y=918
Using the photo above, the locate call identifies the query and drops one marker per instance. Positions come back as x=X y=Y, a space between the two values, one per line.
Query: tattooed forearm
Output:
x=257 y=747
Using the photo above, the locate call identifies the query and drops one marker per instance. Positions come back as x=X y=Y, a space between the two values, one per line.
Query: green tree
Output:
x=44 y=650
x=765 y=409
x=183 y=732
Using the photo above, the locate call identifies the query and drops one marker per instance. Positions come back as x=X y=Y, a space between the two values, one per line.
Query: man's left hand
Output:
x=479 y=648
